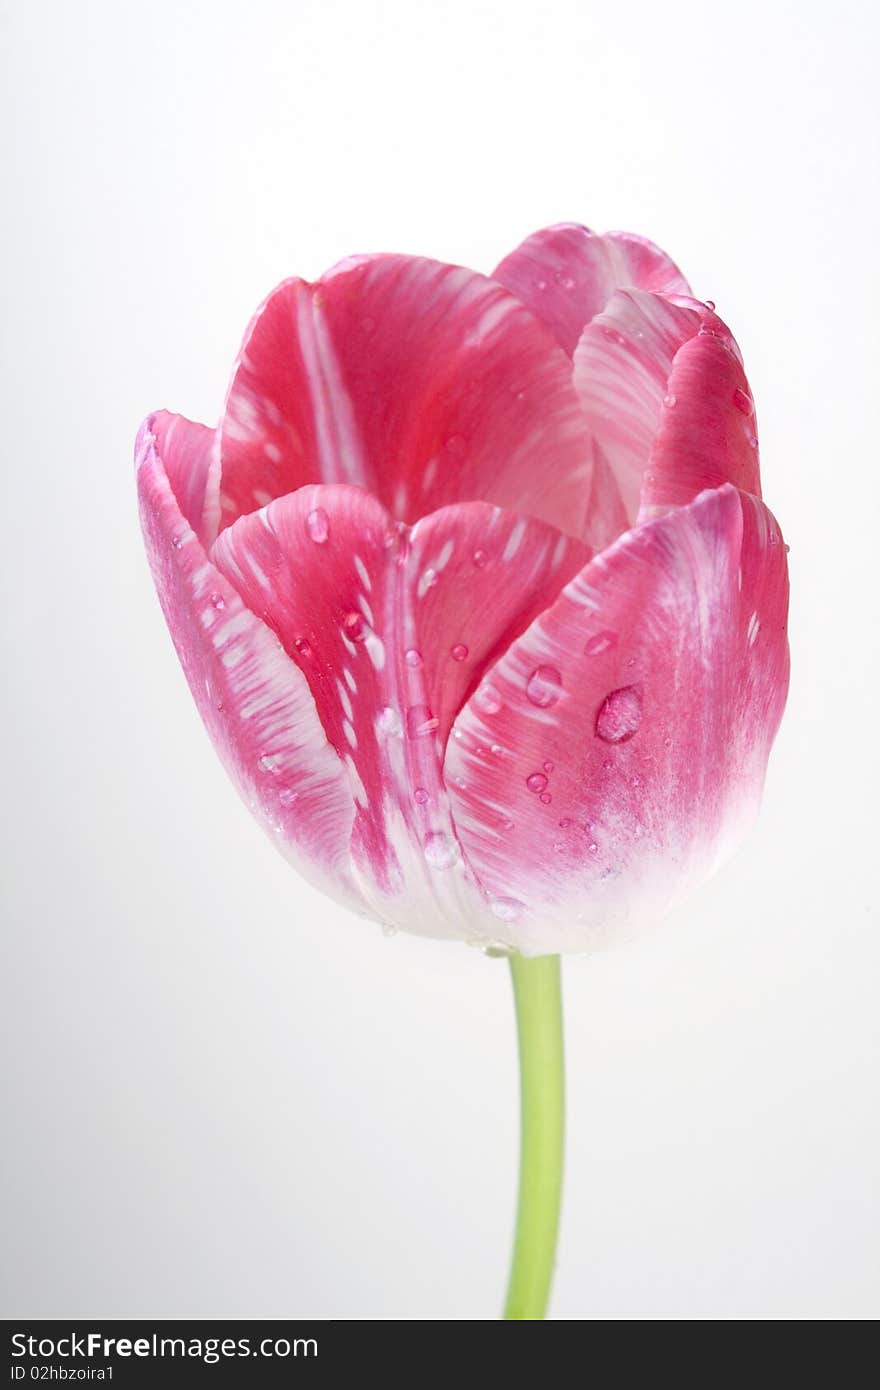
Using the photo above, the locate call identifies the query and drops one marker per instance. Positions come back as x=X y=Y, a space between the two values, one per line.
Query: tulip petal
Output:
x=566 y=274
x=662 y=386
x=253 y=700
x=424 y=383
x=706 y=429
x=673 y=666
x=393 y=627
x=191 y=458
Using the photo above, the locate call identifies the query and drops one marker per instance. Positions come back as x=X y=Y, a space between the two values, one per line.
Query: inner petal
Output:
x=423 y=383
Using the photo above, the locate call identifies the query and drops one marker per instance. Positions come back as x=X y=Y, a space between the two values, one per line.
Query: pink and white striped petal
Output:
x=392 y=628
x=664 y=393
x=255 y=703
x=664 y=666
x=566 y=274
x=423 y=383
x=191 y=458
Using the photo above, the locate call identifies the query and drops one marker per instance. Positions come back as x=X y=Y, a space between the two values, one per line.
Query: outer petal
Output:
x=667 y=403
x=392 y=628
x=566 y=274
x=255 y=704
x=600 y=807
x=424 y=383
x=191 y=458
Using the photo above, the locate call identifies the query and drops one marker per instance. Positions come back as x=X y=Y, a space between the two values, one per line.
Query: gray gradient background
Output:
x=226 y=1097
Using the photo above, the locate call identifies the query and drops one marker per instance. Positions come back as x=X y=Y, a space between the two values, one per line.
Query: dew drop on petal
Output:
x=459 y=652
x=420 y=795
x=413 y=658
x=620 y=715
x=544 y=686
x=536 y=781
x=177 y=542
x=318 y=525
x=440 y=850
x=548 y=767
x=507 y=909
x=287 y=796
x=354 y=626
x=669 y=400
x=600 y=642
x=420 y=721
x=218 y=602
x=593 y=847
x=546 y=798
x=710 y=304
x=742 y=401
x=488 y=699
x=302 y=647
x=480 y=557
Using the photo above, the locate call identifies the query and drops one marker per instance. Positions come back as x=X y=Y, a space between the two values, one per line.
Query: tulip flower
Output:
x=477 y=596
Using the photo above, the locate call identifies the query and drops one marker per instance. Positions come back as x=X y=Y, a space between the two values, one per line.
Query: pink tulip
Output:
x=475 y=591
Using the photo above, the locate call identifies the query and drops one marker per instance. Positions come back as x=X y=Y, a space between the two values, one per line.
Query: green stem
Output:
x=538 y=994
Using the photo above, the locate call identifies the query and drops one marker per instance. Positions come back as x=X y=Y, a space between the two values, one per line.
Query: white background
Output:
x=227 y=1097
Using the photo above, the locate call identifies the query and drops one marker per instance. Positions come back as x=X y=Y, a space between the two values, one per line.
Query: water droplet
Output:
x=565 y=823
x=420 y=721
x=507 y=909
x=440 y=850
x=546 y=798
x=613 y=335
x=480 y=557
x=669 y=400
x=420 y=795
x=540 y=284
x=218 y=602
x=505 y=823
x=773 y=538
x=177 y=542
x=620 y=715
x=544 y=686
x=753 y=441
x=536 y=781
x=593 y=847
x=548 y=767
x=388 y=724
x=413 y=658
x=303 y=647
x=496 y=749
x=355 y=627
x=459 y=652
x=287 y=796
x=710 y=304
x=565 y=281
x=488 y=699
x=268 y=763
x=601 y=642
x=743 y=401
x=428 y=580
x=318 y=525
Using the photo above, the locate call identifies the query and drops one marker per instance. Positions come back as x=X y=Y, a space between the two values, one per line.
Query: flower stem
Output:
x=538 y=995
